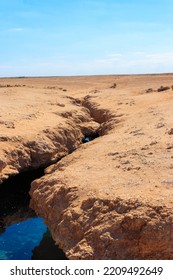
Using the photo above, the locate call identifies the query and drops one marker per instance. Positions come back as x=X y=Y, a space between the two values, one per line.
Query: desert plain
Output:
x=109 y=198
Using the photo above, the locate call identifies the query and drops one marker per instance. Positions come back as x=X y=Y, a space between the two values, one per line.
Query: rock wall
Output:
x=101 y=228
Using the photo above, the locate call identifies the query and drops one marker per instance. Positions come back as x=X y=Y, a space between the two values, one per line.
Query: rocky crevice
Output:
x=104 y=117
x=96 y=227
x=52 y=144
x=92 y=227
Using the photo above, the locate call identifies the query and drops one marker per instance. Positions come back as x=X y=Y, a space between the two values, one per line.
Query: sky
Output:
x=85 y=37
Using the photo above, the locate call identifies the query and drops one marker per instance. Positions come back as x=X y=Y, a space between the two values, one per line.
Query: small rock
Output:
x=169 y=146
x=129 y=168
x=61 y=104
x=125 y=162
x=4 y=138
x=114 y=85
x=163 y=88
x=159 y=125
x=113 y=154
x=153 y=143
x=9 y=124
x=170 y=132
x=171 y=166
x=145 y=148
x=137 y=168
x=149 y=90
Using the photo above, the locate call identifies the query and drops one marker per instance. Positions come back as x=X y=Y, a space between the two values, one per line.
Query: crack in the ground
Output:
x=52 y=144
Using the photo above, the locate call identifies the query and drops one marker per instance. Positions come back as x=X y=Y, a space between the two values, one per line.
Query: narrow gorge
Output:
x=104 y=199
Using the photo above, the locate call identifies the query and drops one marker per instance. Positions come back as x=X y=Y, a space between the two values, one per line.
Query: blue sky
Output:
x=85 y=37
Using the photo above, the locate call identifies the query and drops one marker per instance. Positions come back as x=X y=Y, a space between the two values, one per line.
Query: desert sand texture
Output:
x=110 y=198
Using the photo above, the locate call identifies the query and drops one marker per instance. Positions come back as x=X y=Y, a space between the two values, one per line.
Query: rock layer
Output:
x=110 y=198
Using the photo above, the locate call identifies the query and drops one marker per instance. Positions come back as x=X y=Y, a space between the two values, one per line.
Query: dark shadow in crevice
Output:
x=47 y=250
x=14 y=209
x=14 y=193
x=90 y=137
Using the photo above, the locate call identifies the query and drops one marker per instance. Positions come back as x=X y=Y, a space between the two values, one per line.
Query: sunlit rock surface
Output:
x=110 y=198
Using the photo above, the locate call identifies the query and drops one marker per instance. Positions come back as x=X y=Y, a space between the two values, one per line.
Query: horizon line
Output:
x=85 y=75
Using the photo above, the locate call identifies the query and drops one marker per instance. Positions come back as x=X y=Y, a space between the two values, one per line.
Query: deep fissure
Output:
x=14 y=208
x=14 y=192
x=16 y=215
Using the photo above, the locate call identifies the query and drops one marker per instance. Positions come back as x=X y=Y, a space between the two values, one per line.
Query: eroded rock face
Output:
x=102 y=228
x=42 y=137
x=110 y=198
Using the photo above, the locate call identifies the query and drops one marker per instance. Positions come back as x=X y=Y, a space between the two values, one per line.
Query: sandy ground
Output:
x=131 y=161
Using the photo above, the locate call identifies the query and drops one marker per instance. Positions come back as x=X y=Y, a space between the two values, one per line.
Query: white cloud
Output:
x=16 y=29
x=141 y=62
x=160 y=57
x=114 y=63
x=139 y=53
x=115 y=56
x=130 y=63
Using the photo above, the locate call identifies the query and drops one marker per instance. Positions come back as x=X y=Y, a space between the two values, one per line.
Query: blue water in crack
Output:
x=23 y=235
x=19 y=240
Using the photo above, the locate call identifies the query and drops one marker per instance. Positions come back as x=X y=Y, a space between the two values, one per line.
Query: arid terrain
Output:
x=110 y=198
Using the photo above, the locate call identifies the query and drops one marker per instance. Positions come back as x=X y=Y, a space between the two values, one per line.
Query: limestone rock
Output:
x=107 y=199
